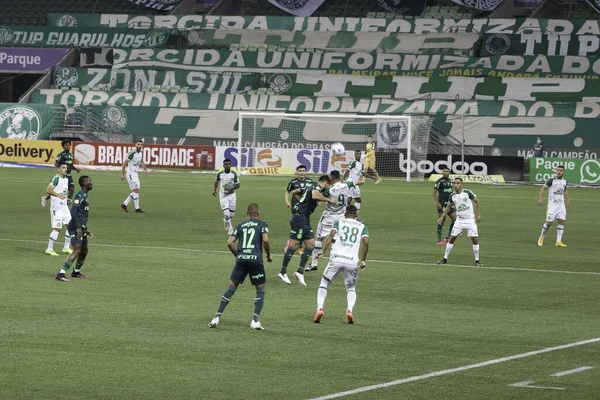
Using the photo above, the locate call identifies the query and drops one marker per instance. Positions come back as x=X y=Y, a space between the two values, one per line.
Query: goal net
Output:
x=275 y=143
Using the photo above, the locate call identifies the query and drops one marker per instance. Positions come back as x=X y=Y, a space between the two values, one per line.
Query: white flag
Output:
x=300 y=8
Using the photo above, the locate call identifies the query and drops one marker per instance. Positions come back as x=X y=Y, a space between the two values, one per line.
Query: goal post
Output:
x=275 y=143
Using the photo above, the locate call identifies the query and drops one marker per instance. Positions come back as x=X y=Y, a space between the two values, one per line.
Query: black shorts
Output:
x=72 y=231
x=444 y=205
x=70 y=179
x=242 y=268
x=300 y=228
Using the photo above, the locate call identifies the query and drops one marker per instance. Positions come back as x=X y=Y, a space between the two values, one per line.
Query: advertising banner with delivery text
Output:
x=29 y=151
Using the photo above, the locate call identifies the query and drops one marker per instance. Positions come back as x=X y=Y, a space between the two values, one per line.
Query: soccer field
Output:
x=522 y=327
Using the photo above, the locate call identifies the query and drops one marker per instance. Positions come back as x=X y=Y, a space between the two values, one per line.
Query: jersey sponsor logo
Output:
x=280 y=83
x=19 y=122
x=463 y=207
x=115 y=117
x=67 y=20
x=65 y=76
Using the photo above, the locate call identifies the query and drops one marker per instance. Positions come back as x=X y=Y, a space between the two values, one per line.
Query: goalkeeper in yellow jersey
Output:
x=370 y=159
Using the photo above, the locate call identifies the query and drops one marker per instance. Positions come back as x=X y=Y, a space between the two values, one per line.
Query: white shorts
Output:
x=326 y=224
x=60 y=217
x=133 y=180
x=556 y=212
x=355 y=192
x=468 y=225
x=228 y=202
x=350 y=272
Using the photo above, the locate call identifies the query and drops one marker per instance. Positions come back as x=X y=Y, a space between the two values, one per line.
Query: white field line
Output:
x=455 y=370
x=572 y=371
x=432 y=264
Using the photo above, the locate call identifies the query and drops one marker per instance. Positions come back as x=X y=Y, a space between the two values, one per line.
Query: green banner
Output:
x=42 y=36
x=137 y=80
x=214 y=125
x=30 y=121
x=366 y=64
x=326 y=24
x=531 y=44
x=582 y=171
x=319 y=83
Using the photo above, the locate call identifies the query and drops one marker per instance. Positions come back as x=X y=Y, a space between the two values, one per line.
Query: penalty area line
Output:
x=432 y=264
x=455 y=370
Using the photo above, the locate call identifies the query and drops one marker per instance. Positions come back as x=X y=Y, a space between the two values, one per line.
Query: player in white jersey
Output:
x=227 y=198
x=60 y=215
x=348 y=234
x=356 y=172
x=342 y=192
x=466 y=220
x=132 y=162
x=556 y=205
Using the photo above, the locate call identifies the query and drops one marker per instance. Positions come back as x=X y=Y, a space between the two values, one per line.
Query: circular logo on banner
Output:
x=6 y=35
x=482 y=5
x=156 y=37
x=393 y=6
x=67 y=20
x=65 y=76
x=19 y=122
x=292 y=4
x=279 y=83
x=392 y=134
x=196 y=38
x=497 y=43
x=115 y=117
x=496 y=152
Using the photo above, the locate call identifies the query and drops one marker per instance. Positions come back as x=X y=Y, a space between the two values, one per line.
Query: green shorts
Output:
x=243 y=268
x=300 y=228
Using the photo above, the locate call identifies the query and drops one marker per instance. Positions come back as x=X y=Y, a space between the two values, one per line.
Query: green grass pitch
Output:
x=137 y=329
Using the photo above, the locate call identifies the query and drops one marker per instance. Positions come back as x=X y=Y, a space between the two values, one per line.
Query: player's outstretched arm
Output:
x=144 y=167
x=478 y=204
x=446 y=211
x=542 y=191
x=436 y=198
x=319 y=196
x=267 y=246
x=567 y=198
x=215 y=188
x=231 y=244
x=123 y=168
x=326 y=244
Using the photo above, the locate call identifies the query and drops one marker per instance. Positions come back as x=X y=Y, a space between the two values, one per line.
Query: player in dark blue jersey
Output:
x=78 y=230
x=301 y=231
x=442 y=189
x=300 y=182
x=252 y=236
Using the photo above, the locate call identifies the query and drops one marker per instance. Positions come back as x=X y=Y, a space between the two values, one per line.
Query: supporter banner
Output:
x=325 y=24
x=397 y=164
x=480 y=5
x=29 y=151
x=26 y=122
x=539 y=43
x=390 y=42
x=365 y=64
x=277 y=161
x=155 y=155
x=134 y=80
x=29 y=60
x=301 y=8
x=158 y=5
x=42 y=36
x=296 y=104
x=595 y=4
x=584 y=171
x=408 y=7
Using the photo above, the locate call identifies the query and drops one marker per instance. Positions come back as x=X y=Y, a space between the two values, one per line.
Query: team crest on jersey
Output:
x=392 y=134
x=279 y=83
x=497 y=43
x=292 y=4
x=6 y=35
x=196 y=38
x=67 y=20
x=19 y=122
x=65 y=76
x=115 y=117
x=156 y=38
